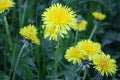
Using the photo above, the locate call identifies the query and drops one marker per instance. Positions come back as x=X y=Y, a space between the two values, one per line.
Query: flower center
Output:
x=89 y=49
x=59 y=17
x=104 y=63
x=75 y=53
x=4 y=5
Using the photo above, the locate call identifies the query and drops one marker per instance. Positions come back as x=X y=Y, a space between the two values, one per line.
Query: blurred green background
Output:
x=37 y=62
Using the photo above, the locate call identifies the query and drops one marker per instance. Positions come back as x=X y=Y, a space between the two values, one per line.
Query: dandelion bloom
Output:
x=30 y=33
x=6 y=5
x=104 y=64
x=81 y=26
x=74 y=55
x=52 y=34
x=98 y=15
x=59 y=17
x=89 y=47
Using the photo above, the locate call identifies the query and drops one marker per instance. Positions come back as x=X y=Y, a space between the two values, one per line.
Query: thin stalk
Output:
x=38 y=63
x=44 y=63
x=85 y=74
x=37 y=14
x=18 y=59
x=12 y=62
x=5 y=62
x=7 y=31
x=56 y=57
x=93 y=31
x=76 y=36
x=22 y=14
x=31 y=45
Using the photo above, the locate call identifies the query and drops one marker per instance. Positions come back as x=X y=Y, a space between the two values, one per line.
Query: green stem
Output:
x=85 y=74
x=76 y=36
x=5 y=62
x=56 y=57
x=38 y=62
x=12 y=62
x=44 y=64
x=93 y=31
x=19 y=55
x=7 y=31
x=37 y=14
x=31 y=45
x=22 y=14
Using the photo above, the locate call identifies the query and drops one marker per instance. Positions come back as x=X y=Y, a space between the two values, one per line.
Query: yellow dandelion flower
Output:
x=6 y=5
x=30 y=33
x=98 y=15
x=74 y=55
x=53 y=34
x=35 y=40
x=89 y=47
x=81 y=26
x=59 y=17
x=104 y=64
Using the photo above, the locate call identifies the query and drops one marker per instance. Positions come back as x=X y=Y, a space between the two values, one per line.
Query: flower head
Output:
x=30 y=33
x=53 y=34
x=81 y=26
x=89 y=47
x=59 y=17
x=98 y=15
x=104 y=64
x=6 y=5
x=74 y=55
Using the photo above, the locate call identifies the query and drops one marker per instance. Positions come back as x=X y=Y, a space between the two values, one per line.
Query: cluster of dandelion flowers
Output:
x=74 y=55
x=99 y=16
x=104 y=64
x=59 y=17
x=30 y=33
x=6 y=5
x=81 y=26
x=89 y=47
